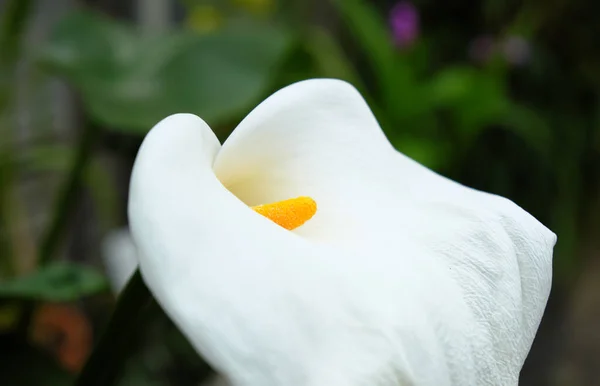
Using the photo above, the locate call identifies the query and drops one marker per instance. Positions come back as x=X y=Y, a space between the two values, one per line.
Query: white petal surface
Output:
x=402 y=277
x=316 y=138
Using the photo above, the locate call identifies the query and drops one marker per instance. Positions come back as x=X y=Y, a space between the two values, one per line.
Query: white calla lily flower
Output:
x=401 y=277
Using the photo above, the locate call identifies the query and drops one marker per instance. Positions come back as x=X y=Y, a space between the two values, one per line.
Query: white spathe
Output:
x=402 y=277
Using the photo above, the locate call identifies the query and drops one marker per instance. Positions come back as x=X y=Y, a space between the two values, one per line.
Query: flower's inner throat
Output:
x=289 y=214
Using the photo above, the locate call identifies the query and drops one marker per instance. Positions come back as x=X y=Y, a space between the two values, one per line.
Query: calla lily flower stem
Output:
x=117 y=341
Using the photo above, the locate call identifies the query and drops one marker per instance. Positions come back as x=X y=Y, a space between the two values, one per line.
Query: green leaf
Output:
x=451 y=85
x=129 y=82
x=85 y=45
x=434 y=154
x=477 y=99
x=402 y=96
x=56 y=282
x=370 y=32
x=474 y=98
x=330 y=59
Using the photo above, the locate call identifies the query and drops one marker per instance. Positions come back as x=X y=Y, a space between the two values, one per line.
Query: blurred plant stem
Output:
x=12 y=26
x=67 y=197
x=119 y=337
x=14 y=20
x=6 y=261
x=63 y=207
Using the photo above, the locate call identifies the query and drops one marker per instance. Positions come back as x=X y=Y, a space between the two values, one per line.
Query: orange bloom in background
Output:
x=65 y=331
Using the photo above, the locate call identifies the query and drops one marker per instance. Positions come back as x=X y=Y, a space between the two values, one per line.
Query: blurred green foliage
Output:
x=528 y=131
x=129 y=81
x=55 y=282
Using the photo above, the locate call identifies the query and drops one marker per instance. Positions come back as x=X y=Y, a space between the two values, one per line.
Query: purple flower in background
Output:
x=482 y=49
x=404 y=22
x=516 y=50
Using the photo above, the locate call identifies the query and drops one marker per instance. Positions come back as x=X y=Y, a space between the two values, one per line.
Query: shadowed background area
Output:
x=500 y=95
